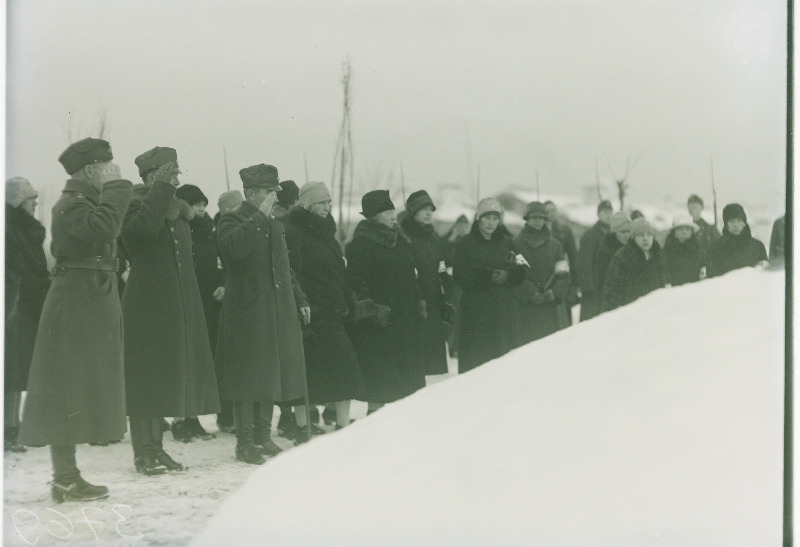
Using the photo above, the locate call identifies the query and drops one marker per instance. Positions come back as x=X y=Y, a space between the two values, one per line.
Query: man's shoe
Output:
x=148 y=465
x=226 y=428
x=166 y=460
x=197 y=430
x=269 y=448
x=181 y=431
x=80 y=490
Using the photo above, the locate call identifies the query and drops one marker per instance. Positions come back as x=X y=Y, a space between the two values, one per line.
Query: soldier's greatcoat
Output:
x=76 y=390
x=260 y=343
x=169 y=369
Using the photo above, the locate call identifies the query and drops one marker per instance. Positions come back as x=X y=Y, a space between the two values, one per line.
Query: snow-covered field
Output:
x=659 y=423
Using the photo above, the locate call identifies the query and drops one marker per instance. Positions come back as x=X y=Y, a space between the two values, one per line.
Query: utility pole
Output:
x=714 y=191
x=225 y=159
x=305 y=164
x=343 y=157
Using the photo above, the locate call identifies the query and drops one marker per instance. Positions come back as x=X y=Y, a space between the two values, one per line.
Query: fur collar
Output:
x=25 y=223
x=378 y=233
x=414 y=228
x=314 y=223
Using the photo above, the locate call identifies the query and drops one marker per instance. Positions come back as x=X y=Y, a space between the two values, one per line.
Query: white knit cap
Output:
x=18 y=189
x=313 y=192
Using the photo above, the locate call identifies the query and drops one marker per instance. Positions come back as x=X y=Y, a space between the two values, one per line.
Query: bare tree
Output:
x=622 y=182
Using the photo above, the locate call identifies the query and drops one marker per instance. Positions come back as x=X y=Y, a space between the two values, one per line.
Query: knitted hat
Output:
x=19 y=189
x=155 y=158
x=641 y=226
x=418 y=200
x=265 y=176
x=605 y=205
x=685 y=219
x=229 y=201
x=535 y=209
x=191 y=194
x=694 y=198
x=620 y=221
x=489 y=205
x=313 y=192
x=733 y=210
x=85 y=152
x=288 y=193
x=375 y=202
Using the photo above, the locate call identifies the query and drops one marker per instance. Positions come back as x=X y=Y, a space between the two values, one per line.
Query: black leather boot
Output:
x=246 y=451
x=197 y=430
x=146 y=464
x=78 y=490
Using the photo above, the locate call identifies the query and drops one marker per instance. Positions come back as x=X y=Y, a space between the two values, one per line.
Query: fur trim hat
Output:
x=19 y=189
x=191 y=194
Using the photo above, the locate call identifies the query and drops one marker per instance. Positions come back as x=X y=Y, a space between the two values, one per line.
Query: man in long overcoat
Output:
x=76 y=390
x=590 y=243
x=260 y=344
x=169 y=369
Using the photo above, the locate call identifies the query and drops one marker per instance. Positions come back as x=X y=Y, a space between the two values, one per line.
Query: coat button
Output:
x=172 y=228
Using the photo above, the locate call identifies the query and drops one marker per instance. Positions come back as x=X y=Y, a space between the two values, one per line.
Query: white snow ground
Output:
x=659 y=423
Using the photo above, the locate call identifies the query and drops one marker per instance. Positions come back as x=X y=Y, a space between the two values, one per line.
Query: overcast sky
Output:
x=441 y=86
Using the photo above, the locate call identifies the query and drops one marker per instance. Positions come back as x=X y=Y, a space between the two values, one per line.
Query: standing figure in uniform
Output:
x=169 y=369
x=260 y=345
x=590 y=243
x=76 y=387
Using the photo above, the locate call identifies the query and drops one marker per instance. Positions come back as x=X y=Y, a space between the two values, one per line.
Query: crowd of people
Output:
x=155 y=310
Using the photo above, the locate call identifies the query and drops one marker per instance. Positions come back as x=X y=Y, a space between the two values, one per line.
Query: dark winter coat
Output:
x=630 y=276
x=776 y=244
x=27 y=280
x=608 y=248
x=732 y=252
x=563 y=234
x=169 y=369
x=76 y=387
x=707 y=236
x=436 y=286
x=684 y=260
x=590 y=293
x=380 y=266
x=208 y=270
x=538 y=316
x=317 y=260
x=260 y=345
x=490 y=318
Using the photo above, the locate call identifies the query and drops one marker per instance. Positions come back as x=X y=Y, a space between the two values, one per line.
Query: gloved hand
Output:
x=499 y=277
x=538 y=299
x=382 y=314
x=422 y=309
x=448 y=313
x=548 y=296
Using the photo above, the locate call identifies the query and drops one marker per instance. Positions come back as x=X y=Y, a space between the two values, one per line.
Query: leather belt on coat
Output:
x=89 y=263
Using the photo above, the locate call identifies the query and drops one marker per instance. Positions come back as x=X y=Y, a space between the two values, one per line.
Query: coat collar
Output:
x=82 y=187
x=535 y=238
x=314 y=223
x=377 y=233
x=414 y=228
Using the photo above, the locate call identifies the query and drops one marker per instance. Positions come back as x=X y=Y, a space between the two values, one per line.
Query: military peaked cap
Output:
x=85 y=152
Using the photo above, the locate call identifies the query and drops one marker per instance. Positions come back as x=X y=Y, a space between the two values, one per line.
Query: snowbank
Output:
x=660 y=422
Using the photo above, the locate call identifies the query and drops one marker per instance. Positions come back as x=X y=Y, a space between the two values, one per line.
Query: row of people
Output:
x=299 y=320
